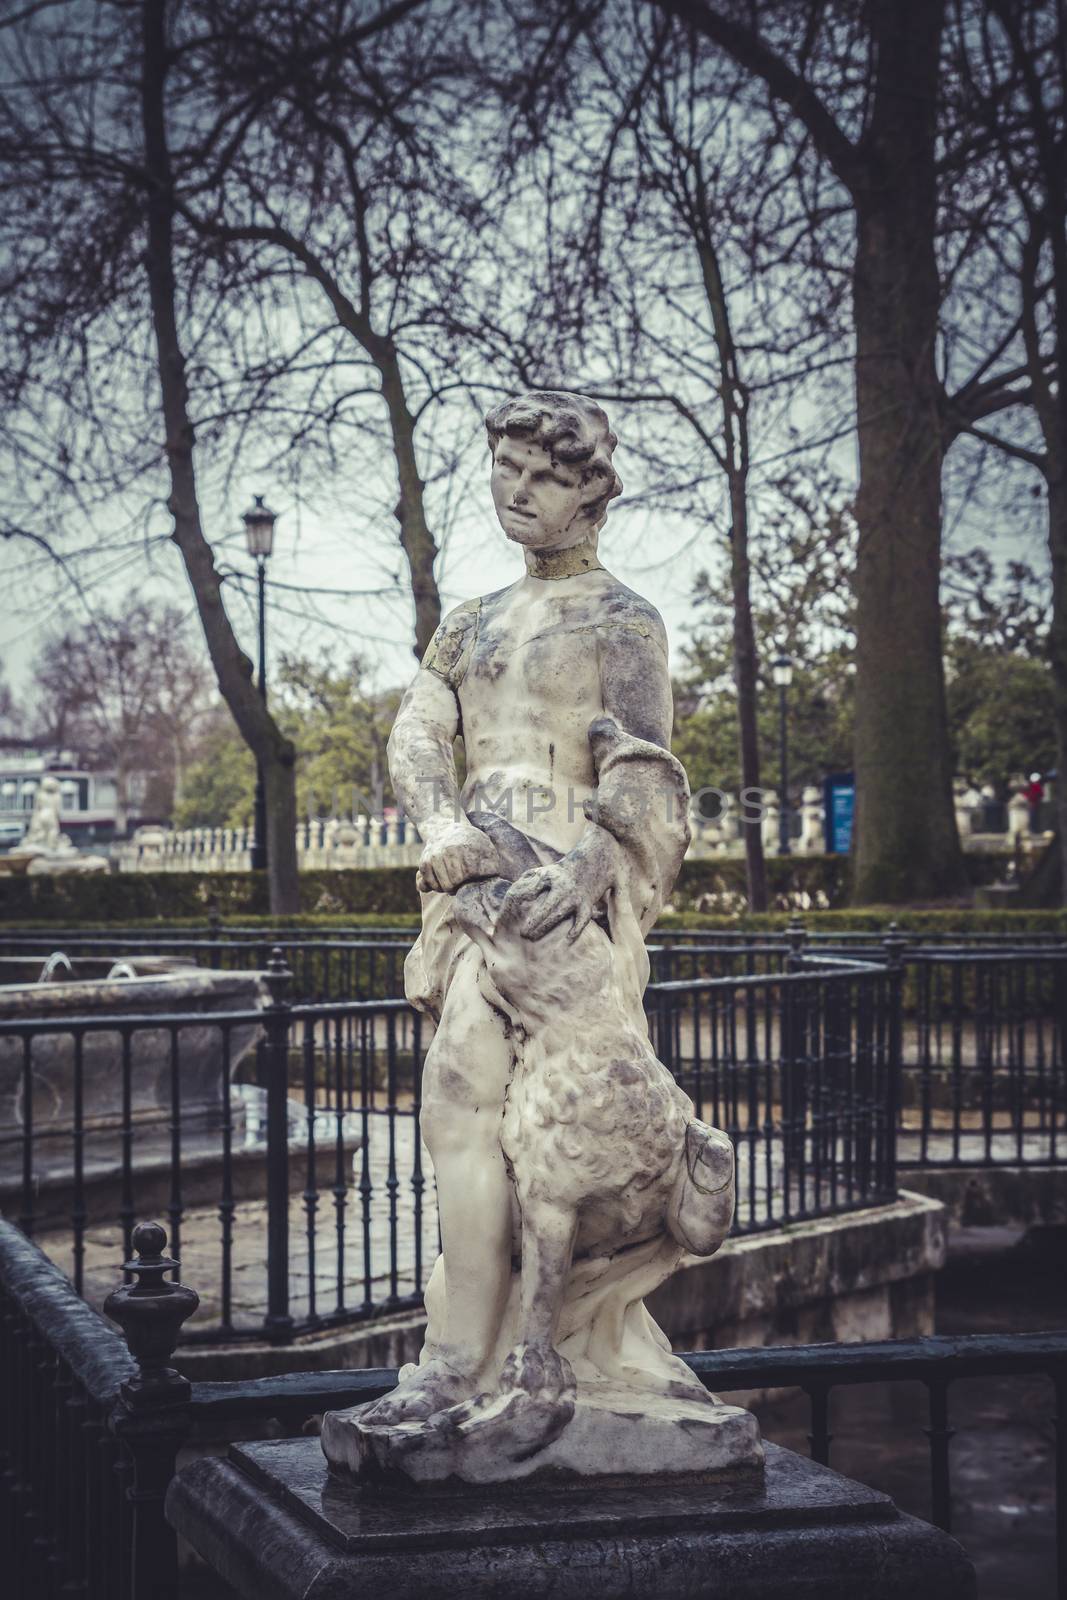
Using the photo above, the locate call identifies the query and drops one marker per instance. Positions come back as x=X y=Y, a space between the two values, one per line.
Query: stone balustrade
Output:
x=321 y=843
x=985 y=825
x=336 y=842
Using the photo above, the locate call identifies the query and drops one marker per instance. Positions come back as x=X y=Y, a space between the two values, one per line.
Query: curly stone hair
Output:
x=573 y=429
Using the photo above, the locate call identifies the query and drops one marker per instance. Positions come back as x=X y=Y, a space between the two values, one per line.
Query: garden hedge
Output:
x=386 y=897
x=174 y=896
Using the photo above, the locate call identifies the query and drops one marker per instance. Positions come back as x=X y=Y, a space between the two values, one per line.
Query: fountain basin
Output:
x=188 y=1064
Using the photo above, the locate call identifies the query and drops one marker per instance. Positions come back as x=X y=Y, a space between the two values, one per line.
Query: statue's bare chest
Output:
x=539 y=651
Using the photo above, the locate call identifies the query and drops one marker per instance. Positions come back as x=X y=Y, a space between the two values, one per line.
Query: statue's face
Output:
x=538 y=502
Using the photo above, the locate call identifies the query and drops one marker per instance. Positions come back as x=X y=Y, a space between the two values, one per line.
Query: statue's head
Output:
x=552 y=472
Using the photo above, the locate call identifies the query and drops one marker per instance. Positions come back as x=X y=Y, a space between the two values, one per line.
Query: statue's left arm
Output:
x=638 y=820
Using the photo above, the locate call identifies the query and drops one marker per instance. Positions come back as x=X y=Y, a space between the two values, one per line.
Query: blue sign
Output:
x=839 y=801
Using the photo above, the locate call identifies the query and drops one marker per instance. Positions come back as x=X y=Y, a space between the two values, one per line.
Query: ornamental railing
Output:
x=301 y=1187
x=92 y=1424
x=307 y=1197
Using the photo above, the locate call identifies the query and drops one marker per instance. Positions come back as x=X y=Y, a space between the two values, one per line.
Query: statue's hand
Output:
x=547 y=896
x=456 y=855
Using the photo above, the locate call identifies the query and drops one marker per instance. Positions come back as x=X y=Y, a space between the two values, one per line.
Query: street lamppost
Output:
x=782 y=672
x=259 y=523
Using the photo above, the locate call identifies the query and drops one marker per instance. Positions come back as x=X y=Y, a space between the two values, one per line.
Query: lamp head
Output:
x=259 y=523
x=782 y=671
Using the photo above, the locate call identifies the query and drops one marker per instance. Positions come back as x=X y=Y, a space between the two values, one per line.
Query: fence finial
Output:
x=150 y=1313
x=278 y=976
x=894 y=943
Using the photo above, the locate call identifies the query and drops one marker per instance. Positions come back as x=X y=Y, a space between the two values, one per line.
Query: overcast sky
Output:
x=329 y=550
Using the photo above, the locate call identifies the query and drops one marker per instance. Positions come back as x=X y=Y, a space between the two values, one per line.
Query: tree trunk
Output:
x=233 y=668
x=745 y=674
x=1057 y=652
x=416 y=540
x=122 y=799
x=1052 y=413
x=906 y=845
x=733 y=397
x=178 y=785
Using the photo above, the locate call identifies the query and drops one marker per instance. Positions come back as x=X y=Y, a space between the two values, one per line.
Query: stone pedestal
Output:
x=276 y=1523
x=613 y=1431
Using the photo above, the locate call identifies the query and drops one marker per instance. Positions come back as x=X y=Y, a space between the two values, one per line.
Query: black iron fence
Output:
x=283 y=1147
x=280 y=1143
x=333 y=966
x=92 y=1427
x=984 y=1079
x=89 y=1433
x=982 y=1075
x=368 y=963
x=802 y=1068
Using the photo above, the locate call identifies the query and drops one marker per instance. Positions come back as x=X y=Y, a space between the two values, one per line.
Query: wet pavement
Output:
x=1003 y=1451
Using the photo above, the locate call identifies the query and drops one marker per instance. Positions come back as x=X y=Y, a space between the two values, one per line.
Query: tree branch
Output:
x=746 y=46
x=1033 y=458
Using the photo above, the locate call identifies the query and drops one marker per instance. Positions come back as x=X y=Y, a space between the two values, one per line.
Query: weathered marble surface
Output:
x=272 y=1520
x=614 y=1432
x=572 y=1172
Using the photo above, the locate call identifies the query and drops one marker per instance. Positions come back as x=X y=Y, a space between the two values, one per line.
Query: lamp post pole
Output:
x=259 y=532
x=259 y=843
x=783 y=677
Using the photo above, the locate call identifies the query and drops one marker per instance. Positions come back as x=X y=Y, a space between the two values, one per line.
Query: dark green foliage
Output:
x=387 y=894
x=877 y=919
x=172 y=896
x=339 y=728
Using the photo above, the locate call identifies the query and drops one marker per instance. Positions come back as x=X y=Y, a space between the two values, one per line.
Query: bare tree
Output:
x=101 y=272
x=124 y=690
x=679 y=277
x=861 y=89
x=10 y=716
x=1012 y=61
x=658 y=219
x=335 y=170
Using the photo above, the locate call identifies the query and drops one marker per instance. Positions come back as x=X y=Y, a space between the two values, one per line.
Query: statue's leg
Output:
x=534 y=1398
x=465 y=1076
x=534 y=1365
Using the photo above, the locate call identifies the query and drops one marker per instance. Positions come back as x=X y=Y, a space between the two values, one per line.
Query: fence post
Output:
x=214 y=924
x=796 y=936
x=794 y=1075
x=894 y=944
x=275 y=1048
x=151 y=1418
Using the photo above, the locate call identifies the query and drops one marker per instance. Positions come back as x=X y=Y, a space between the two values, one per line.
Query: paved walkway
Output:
x=340 y=1235
x=364 y=1233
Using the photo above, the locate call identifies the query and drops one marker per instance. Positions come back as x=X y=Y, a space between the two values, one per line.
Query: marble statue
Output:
x=43 y=848
x=572 y=1172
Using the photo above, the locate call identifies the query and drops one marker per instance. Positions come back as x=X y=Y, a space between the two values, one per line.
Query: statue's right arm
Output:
x=421 y=762
x=423 y=770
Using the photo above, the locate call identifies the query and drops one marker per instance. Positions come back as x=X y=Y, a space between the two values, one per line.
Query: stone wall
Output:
x=866 y=1275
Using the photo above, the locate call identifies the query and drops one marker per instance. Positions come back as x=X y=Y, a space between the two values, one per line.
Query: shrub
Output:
x=709 y=893
x=173 y=896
